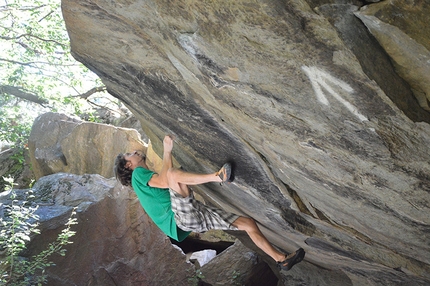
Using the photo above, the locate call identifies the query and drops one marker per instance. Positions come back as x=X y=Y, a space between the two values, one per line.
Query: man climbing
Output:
x=169 y=202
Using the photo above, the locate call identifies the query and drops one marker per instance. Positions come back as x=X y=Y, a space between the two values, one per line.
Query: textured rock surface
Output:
x=59 y=143
x=399 y=28
x=325 y=157
x=20 y=172
x=237 y=265
x=375 y=62
x=115 y=244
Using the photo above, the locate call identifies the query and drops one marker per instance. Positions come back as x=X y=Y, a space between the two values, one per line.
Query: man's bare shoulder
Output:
x=157 y=182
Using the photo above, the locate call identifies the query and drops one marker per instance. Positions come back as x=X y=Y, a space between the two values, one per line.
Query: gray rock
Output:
x=20 y=172
x=324 y=158
x=59 y=143
x=115 y=242
x=374 y=60
x=237 y=265
x=399 y=28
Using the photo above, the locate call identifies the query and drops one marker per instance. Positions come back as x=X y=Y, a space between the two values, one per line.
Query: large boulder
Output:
x=375 y=62
x=238 y=265
x=326 y=156
x=115 y=243
x=399 y=28
x=93 y=195
x=59 y=143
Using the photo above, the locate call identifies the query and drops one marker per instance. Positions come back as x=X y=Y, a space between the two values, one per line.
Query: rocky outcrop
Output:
x=59 y=143
x=330 y=154
x=399 y=26
x=115 y=241
x=238 y=265
x=375 y=62
x=114 y=236
x=14 y=168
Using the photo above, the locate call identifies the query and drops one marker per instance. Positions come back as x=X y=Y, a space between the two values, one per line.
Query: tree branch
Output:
x=24 y=8
x=47 y=15
x=25 y=46
x=105 y=107
x=18 y=92
x=91 y=92
x=19 y=63
x=32 y=64
x=32 y=36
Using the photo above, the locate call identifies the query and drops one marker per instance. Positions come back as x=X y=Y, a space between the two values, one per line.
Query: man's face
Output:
x=133 y=159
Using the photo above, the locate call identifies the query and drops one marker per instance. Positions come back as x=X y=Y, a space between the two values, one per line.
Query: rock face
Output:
x=237 y=265
x=115 y=244
x=10 y=167
x=399 y=28
x=59 y=143
x=329 y=143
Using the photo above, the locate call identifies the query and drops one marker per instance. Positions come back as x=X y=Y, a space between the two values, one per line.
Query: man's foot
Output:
x=224 y=173
x=291 y=260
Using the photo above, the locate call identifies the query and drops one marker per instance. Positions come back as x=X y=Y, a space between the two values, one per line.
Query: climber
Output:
x=169 y=202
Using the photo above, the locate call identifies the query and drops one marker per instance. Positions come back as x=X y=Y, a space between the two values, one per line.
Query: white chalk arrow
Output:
x=321 y=79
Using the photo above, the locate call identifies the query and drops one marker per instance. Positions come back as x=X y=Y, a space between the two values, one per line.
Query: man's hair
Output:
x=122 y=173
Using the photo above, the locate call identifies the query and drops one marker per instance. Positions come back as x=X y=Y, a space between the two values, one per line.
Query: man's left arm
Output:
x=160 y=180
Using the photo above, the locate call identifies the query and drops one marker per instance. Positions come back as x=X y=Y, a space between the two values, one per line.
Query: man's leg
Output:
x=178 y=180
x=249 y=225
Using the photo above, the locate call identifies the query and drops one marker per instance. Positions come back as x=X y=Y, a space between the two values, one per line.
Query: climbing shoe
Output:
x=291 y=260
x=224 y=173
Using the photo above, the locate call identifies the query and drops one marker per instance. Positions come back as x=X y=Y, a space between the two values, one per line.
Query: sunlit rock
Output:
x=325 y=158
x=115 y=240
x=399 y=26
x=59 y=143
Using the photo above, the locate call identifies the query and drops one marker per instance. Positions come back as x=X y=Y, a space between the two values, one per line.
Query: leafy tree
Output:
x=17 y=226
x=38 y=73
x=37 y=70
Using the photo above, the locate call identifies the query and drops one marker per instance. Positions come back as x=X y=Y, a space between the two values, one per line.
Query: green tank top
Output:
x=156 y=203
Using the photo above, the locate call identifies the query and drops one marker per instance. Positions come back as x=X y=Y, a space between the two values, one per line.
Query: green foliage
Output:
x=15 y=130
x=37 y=71
x=236 y=277
x=35 y=54
x=14 y=127
x=17 y=226
x=196 y=278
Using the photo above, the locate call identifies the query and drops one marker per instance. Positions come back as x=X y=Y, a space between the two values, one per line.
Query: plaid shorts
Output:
x=193 y=215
